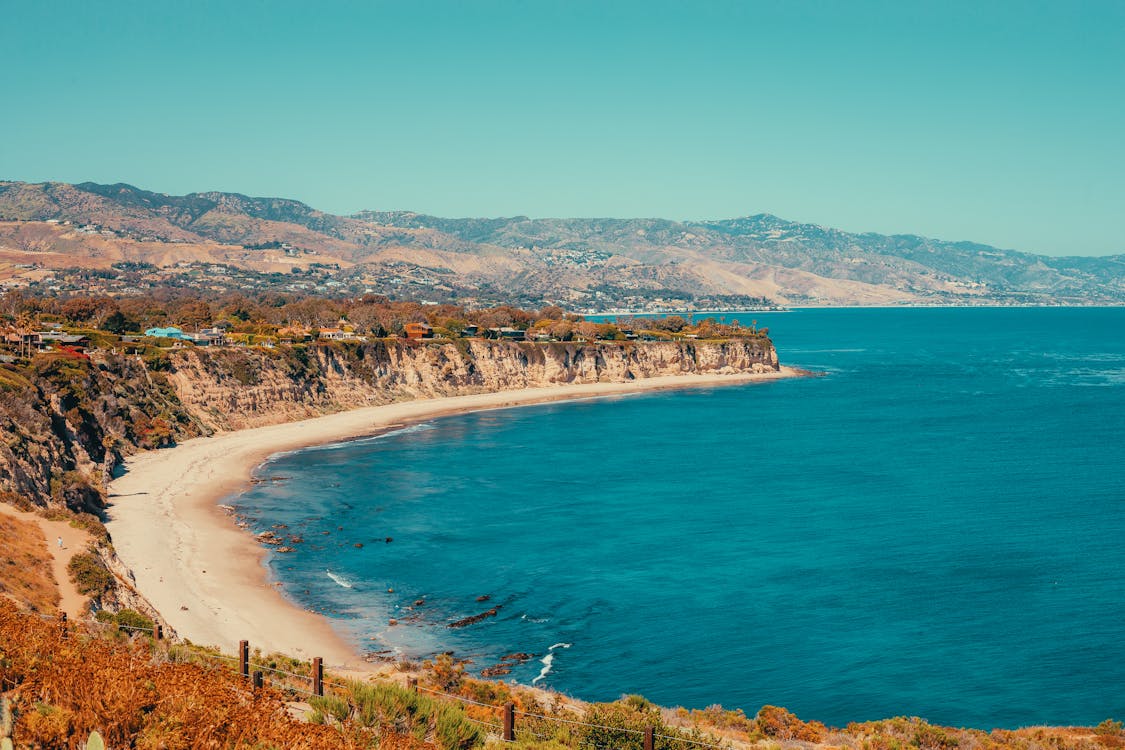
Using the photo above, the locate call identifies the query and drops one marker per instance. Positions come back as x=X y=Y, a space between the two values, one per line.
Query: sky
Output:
x=999 y=122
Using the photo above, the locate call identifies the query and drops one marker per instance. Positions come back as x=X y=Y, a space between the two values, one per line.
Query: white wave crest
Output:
x=548 y=661
x=537 y=620
x=338 y=579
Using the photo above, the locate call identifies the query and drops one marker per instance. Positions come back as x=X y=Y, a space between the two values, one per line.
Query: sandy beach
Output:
x=206 y=576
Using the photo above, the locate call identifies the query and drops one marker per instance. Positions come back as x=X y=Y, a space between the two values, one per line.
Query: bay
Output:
x=932 y=527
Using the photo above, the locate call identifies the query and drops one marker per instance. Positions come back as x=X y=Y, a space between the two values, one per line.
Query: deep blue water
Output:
x=935 y=527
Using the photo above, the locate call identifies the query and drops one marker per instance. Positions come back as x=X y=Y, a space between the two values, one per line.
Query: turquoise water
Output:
x=932 y=528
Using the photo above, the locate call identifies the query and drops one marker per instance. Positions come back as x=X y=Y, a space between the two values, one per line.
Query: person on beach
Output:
x=60 y=543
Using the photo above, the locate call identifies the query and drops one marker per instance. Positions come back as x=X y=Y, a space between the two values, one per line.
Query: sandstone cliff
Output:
x=67 y=421
x=237 y=388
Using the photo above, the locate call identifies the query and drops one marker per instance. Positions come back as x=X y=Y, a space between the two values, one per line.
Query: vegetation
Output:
x=25 y=565
x=56 y=685
x=61 y=685
x=268 y=318
x=129 y=619
x=89 y=575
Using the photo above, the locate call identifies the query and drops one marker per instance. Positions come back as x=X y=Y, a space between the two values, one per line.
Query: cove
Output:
x=932 y=528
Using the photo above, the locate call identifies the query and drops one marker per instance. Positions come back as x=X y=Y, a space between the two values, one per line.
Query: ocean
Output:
x=934 y=527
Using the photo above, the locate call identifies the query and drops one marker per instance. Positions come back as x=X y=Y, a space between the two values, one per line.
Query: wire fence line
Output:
x=505 y=730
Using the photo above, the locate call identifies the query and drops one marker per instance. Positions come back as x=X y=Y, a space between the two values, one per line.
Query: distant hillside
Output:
x=583 y=264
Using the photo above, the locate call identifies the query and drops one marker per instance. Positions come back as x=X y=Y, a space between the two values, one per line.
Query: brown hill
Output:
x=580 y=263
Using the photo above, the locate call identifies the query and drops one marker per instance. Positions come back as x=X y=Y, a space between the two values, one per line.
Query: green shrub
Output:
x=453 y=731
x=406 y=712
x=330 y=705
x=129 y=618
x=89 y=575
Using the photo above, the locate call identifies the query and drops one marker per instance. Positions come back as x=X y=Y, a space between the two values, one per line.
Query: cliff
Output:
x=237 y=388
x=67 y=421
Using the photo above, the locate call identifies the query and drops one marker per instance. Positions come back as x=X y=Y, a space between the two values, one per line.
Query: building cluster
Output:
x=25 y=343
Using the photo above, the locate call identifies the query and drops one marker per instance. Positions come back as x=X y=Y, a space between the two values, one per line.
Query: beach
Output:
x=206 y=576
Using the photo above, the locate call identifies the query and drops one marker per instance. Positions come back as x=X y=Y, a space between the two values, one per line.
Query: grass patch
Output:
x=25 y=565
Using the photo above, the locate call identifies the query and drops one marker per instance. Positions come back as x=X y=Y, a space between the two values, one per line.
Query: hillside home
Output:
x=69 y=340
x=171 y=332
x=505 y=332
x=338 y=334
x=207 y=337
x=22 y=343
x=418 y=331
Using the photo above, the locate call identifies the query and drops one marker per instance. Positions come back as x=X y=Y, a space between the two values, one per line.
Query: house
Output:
x=416 y=331
x=171 y=332
x=213 y=336
x=23 y=340
x=68 y=340
x=505 y=332
x=470 y=330
x=336 y=334
x=207 y=337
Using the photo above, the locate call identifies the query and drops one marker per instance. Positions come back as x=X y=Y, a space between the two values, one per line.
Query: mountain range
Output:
x=581 y=264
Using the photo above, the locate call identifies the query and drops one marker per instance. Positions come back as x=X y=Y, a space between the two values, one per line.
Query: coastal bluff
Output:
x=68 y=422
x=233 y=389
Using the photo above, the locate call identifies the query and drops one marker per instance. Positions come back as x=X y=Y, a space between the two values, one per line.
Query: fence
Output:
x=506 y=727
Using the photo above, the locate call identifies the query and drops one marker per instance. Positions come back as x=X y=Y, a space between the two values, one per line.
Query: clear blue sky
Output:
x=1002 y=122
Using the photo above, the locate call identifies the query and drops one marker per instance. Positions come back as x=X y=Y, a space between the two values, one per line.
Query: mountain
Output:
x=583 y=264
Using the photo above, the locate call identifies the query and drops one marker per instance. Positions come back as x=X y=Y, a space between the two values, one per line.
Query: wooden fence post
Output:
x=318 y=676
x=412 y=683
x=509 y=722
x=159 y=631
x=244 y=658
x=258 y=679
x=62 y=625
x=649 y=739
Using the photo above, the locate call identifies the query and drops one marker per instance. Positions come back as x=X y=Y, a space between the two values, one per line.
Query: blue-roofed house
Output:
x=171 y=332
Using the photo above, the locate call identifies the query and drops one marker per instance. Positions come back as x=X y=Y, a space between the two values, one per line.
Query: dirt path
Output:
x=74 y=541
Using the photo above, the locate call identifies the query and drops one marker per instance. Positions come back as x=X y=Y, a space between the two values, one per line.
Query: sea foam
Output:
x=548 y=662
x=339 y=579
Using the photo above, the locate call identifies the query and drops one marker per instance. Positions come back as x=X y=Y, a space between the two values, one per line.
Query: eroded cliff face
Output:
x=229 y=389
x=65 y=421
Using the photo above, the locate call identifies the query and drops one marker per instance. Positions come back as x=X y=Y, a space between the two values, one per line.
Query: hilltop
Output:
x=236 y=241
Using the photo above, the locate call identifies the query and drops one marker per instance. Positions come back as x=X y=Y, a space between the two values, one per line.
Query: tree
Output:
x=118 y=323
x=673 y=323
x=91 y=310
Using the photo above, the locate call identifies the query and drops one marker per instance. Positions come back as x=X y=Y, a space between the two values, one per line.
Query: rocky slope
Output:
x=66 y=420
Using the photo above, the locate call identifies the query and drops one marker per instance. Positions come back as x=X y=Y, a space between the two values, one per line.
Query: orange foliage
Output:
x=784 y=725
x=69 y=686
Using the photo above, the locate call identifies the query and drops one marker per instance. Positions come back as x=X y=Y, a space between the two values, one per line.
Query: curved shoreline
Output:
x=206 y=576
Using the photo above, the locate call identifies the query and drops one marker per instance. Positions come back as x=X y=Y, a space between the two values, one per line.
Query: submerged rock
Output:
x=465 y=622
